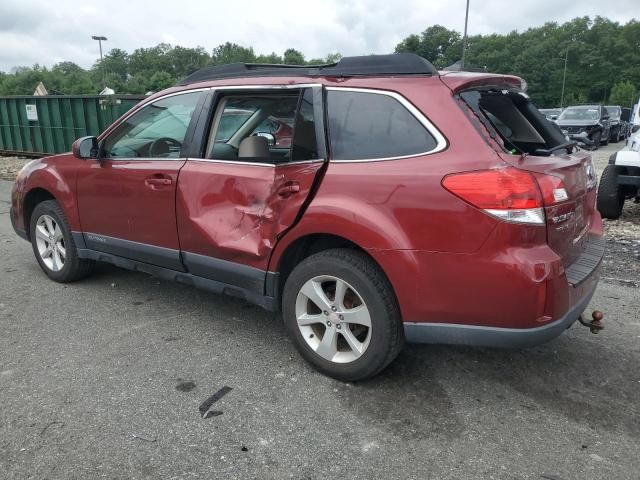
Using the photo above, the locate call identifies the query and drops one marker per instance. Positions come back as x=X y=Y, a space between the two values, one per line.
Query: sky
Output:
x=51 y=31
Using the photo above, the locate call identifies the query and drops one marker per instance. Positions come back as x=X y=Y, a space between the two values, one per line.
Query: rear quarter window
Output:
x=369 y=126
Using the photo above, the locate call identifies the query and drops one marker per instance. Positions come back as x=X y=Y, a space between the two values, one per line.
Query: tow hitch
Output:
x=594 y=325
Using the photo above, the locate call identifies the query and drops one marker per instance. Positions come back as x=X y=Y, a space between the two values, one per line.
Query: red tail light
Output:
x=508 y=193
x=552 y=188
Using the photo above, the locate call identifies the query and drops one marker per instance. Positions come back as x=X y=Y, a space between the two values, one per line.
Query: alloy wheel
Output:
x=50 y=243
x=333 y=319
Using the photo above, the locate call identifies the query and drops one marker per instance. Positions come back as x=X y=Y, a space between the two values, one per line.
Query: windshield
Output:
x=580 y=113
x=614 y=112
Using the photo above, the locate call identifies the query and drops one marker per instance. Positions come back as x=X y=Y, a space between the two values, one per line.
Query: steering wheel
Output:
x=165 y=143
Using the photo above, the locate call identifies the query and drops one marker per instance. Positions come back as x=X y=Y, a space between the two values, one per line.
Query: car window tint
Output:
x=263 y=115
x=305 y=146
x=369 y=126
x=156 y=131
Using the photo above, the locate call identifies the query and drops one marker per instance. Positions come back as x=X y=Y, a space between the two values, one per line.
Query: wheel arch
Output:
x=45 y=180
x=32 y=198
x=306 y=245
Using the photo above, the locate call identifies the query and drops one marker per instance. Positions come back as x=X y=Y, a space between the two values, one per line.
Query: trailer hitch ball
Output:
x=595 y=325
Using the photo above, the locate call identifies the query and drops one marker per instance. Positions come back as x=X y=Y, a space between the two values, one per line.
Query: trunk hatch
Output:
x=567 y=222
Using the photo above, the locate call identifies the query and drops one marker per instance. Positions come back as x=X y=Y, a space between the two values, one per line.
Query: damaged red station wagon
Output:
x=371 y=201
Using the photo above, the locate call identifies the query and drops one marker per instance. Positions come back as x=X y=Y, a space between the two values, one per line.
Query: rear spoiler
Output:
x=461 y=81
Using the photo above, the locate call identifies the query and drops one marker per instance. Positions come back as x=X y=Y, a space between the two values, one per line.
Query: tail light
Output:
x=510 y=194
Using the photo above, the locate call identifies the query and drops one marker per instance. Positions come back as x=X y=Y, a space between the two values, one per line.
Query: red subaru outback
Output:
x=409 y=204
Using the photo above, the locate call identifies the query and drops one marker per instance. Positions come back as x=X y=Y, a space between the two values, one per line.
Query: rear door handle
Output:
x=157 y=181
x=288 y=188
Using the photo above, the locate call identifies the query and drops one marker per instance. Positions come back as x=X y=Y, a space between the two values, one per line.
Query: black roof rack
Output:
x=374 y=65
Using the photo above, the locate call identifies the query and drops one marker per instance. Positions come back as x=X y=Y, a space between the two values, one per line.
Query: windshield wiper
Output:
x=548 y=151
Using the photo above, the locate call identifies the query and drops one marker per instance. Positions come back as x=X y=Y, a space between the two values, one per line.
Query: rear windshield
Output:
x=514 y=122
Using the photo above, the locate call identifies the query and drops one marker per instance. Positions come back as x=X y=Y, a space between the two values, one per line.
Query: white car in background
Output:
x=620 y=179
x=633 y=142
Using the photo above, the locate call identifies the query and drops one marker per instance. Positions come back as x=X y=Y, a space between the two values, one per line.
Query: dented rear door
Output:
x=230 y=214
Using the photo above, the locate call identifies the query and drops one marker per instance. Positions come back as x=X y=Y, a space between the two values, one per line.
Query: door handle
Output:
x=154 y=182
x=288 y=188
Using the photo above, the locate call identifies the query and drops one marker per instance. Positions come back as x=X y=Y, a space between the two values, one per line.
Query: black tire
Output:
x=596 y=139
x=604 y=139
x=615 y=136
x=610 y=196
x=74 y=268
x=360 y=272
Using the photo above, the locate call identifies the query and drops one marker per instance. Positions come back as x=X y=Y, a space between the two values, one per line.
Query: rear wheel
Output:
x=610 y=196
x=53 y=244
x=342 y=315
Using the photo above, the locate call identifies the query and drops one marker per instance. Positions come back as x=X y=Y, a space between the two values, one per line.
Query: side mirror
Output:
x=635 y=128
x=85 y=147
x=554 y=117
x=271 y=139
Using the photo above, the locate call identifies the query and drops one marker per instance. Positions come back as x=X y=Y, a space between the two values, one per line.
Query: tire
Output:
x=615 y=137
x=48 y=218
x=597 y=137
x=363 y=285
x=604 y=139
x=610 y=197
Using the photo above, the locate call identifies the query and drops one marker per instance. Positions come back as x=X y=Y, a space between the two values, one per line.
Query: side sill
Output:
x=457 y=334
x=268 y=303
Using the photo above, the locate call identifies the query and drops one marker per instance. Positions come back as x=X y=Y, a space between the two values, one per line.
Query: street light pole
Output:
x=464 y=37
x=100 y=39
x=564 y=77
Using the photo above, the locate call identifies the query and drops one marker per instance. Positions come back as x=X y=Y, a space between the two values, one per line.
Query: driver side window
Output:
x=155 y=131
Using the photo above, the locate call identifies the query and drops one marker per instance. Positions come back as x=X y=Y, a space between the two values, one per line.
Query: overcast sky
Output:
x=50 y=31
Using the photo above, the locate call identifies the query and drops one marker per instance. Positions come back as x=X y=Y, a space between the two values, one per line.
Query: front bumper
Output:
x=21 y=233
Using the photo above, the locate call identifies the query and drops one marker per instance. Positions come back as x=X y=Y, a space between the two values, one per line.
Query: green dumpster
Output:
x=36 y=126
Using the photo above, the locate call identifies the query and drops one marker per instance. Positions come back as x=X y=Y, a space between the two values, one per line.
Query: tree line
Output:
x=602 y=58
x=139 y=72
x=602 y=62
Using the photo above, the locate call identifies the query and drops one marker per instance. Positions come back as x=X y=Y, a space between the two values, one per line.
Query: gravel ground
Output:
x=622 y=260
x=104 y=379
x=10 y=166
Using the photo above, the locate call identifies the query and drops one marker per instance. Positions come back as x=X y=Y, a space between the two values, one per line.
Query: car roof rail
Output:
x=370 y=65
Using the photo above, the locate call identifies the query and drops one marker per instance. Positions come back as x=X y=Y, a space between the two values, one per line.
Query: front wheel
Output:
x=610 y=196
x=53 y=244
x=604 y=139
x=342 y=314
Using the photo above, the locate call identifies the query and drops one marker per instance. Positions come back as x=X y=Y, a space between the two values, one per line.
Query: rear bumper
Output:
x=455 y=334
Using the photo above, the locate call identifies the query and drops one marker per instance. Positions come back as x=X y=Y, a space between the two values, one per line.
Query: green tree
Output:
x=273 y=58
x=116 y=62
x=293 y=57
x=161 y=80
x=185 y=61
x=438 y=44
x=624 y=94
x=232 y=53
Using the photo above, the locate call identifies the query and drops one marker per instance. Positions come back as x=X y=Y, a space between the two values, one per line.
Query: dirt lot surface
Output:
x=10 y=166
x=104 y=379
x=622 y=262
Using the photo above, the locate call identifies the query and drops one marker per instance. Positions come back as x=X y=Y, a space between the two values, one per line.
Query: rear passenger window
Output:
x=373 y=126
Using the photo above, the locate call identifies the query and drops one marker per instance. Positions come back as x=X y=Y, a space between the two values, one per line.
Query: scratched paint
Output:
x=236 y=212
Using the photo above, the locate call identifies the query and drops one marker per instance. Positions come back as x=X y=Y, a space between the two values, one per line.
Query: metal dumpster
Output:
x=37 y=126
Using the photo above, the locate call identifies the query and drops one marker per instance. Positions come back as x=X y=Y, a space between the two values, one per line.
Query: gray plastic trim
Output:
x=456 y=334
